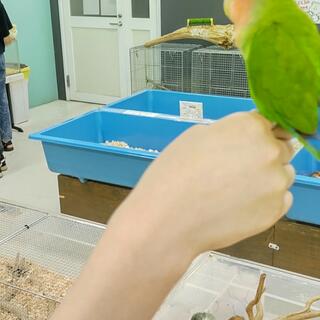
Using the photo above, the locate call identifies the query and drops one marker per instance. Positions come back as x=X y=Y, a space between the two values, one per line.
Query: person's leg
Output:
x=5 y=121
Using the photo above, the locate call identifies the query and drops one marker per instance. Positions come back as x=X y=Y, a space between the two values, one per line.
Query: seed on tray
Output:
x=316 y=174
x=123 y=144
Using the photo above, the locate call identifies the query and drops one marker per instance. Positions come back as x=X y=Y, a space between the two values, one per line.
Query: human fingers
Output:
x=286 y=150
x=282 y=134
x=264 y=121
x=287 y=203
x=290 y=174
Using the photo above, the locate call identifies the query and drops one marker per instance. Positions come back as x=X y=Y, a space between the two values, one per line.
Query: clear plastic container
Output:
x=224 y=286
x=13 y=64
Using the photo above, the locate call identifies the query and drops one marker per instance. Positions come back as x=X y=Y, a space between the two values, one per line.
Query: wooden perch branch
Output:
x=256 y=302
x=222 y=35
x=306 y=313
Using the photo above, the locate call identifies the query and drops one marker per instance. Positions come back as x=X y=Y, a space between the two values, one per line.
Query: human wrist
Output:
x=145 y=223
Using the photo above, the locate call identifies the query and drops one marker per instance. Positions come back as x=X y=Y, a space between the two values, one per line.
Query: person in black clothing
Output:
x=6 y=38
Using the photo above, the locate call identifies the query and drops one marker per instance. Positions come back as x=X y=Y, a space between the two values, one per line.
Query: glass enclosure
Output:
x=12 y=58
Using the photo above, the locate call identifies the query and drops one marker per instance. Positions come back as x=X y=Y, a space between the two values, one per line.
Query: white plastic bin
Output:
x=19 y=96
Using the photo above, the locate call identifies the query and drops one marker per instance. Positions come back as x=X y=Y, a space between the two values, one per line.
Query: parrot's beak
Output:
x=240 y=13
x=227 y=7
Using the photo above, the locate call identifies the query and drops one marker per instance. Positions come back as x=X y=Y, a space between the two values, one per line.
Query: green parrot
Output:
x=281 y=48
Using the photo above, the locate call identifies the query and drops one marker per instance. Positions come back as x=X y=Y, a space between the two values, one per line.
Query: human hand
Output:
x=12 y=36
x=216 y=184
x=14 y=32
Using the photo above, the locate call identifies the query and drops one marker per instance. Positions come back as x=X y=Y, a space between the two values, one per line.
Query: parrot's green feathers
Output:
x=281 y=48
x=283 y=80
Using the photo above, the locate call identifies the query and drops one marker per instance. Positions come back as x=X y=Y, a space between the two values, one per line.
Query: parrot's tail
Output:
x=303 y=139
x=313 y=150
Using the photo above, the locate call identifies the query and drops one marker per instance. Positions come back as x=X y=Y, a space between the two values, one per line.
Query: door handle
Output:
x=119 y=24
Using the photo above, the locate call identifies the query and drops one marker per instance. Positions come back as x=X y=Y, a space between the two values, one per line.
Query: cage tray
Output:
x=77 y=147
x=151 y=120
x=179 y=103
x=306 y=189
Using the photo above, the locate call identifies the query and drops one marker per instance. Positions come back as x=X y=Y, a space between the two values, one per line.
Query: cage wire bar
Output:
x=219 y=71
x=166 y=66
x=59 y=244
x=189 y=68
x=14 y=219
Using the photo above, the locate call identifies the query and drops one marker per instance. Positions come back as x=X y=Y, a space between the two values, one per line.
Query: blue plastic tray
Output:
x=306 y=189
x=76 y=148
x=168 y=103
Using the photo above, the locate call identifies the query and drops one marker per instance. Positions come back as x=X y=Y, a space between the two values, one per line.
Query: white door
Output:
x=96 y=37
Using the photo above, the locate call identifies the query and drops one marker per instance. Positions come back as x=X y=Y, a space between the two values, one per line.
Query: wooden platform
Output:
x=288 y=245
x=91 y=200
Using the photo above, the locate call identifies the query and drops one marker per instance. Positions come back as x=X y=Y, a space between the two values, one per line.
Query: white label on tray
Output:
x=191 y=110
x=297 y=146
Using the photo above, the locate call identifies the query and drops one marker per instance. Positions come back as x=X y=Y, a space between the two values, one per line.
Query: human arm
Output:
x=8 y=40
x=214 y=186
x=12 y=35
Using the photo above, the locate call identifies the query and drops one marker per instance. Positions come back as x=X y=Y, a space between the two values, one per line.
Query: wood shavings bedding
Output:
x=26 y=275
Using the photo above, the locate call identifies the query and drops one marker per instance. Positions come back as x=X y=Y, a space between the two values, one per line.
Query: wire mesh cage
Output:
x=219 y=71
x=14 y=219
x=40 y=260
x=62 y=245
x=166 y=66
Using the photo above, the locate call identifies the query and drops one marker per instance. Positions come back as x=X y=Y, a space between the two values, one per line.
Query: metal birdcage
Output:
x=189 y=68
x=40 y=257
x=219 y=71
x=166 y=66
